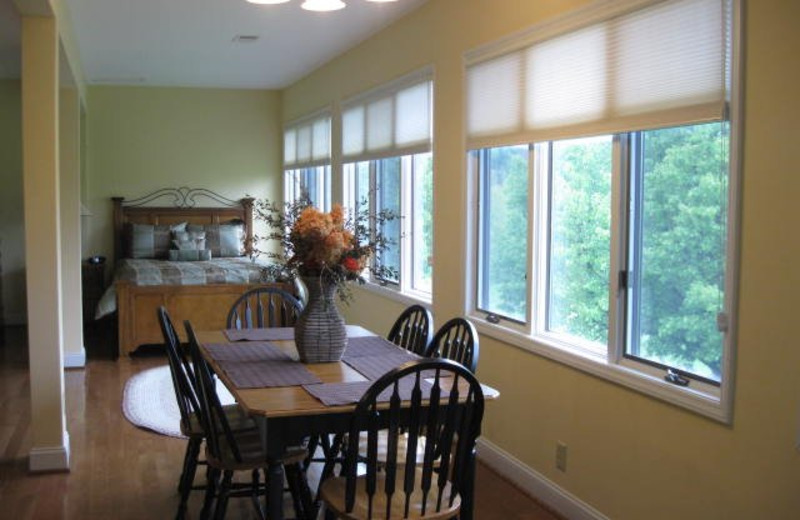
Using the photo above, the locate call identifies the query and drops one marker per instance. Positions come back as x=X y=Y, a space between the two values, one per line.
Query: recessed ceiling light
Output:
x=323 y=5
x=245 y=38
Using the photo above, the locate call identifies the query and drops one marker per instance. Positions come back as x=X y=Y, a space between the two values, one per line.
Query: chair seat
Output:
x=332 y=493
x=383 y=447
x=237 y=419
x=251 y=452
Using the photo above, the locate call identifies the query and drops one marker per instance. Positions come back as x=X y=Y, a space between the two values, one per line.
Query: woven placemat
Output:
x=373 y=367
x=268 y=374
x=370 y=346
x=246 y=352
x=338 y=394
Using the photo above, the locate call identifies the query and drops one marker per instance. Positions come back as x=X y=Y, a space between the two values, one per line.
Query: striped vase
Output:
x=320 y=333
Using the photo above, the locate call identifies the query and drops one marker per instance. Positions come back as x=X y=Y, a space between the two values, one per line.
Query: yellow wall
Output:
x=143 y=139
x=12 y=232
x=630 y=456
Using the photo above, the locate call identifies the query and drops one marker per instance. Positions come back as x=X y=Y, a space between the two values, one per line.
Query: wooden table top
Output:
x=291 y=401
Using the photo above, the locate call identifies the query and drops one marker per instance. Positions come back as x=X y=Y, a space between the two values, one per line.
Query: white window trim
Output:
x=707 y=400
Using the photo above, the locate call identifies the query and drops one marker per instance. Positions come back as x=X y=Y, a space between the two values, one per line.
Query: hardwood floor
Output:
x=121 y=472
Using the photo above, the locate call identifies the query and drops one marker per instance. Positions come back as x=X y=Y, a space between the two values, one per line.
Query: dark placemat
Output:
x=338 y=394
x=268 y=374
x=246 y=352
x=370 y=346
x=284 y=333
x=373 y=367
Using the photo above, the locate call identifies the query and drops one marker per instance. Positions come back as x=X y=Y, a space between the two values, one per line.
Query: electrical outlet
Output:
x=561 y=456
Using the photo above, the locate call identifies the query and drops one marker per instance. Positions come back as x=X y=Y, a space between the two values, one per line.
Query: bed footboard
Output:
x=206 y=306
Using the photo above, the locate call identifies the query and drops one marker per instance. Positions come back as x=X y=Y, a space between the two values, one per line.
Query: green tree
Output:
x=506 y=236
x=684 y=224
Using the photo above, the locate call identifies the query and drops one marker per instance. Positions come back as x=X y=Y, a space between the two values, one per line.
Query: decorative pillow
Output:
x=189 y=255
x=149 y=241
x=163 y=237
x=189 y=240
x=142 y=241
x=224 y=240
x=231 y=240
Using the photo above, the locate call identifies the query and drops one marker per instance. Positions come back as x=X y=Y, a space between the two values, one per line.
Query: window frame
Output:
x=702 y=395
x=403 y=290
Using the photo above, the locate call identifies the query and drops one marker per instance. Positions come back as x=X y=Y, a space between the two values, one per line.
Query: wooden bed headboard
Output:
x=184 y=208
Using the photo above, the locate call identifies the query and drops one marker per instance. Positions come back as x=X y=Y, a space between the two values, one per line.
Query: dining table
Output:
x=291 y=401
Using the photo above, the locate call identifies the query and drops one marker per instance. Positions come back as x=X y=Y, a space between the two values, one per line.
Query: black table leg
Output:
x=275 y=490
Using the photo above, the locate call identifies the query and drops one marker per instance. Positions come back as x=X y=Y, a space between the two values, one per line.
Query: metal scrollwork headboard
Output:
x=182 y=197
x=180 y=204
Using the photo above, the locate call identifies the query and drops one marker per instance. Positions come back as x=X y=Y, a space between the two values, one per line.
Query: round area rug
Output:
x=149 y=402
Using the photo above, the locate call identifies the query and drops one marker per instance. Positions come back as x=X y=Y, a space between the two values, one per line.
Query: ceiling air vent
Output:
x=245 y=38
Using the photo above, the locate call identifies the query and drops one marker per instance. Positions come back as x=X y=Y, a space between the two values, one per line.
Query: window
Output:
x=306 y=160
x=403 y=185
x=314 y=182
x=605 y=177
x=677 y=248
x=388 y=164
x=503 y=216
x=578 y=240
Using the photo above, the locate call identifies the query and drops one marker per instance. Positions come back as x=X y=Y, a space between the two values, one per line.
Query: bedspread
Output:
x=235 y=270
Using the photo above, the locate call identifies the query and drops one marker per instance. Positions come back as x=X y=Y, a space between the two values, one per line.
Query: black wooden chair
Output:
x=186 y=394
x=456 y=340
x=413 y=329
x=264 y=307
x=396 y=486
x=229 y=450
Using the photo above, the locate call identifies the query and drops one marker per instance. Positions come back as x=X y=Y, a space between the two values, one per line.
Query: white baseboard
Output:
x=75 y=360
x=535 y=484
x=50 y=458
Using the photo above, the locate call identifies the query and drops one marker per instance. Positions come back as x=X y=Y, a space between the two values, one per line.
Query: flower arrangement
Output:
x=337 y=246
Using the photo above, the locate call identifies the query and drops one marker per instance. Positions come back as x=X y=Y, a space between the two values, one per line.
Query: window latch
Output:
x=675 y=378
x=493 y=318
x=622 y=281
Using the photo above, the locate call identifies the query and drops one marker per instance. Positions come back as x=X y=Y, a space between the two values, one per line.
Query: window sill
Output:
x=396 y=295
x=700 y=402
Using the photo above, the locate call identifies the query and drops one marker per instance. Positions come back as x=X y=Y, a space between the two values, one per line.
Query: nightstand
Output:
x=93 y=282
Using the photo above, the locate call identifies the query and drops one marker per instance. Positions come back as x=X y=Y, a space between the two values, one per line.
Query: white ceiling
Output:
x=189 y=42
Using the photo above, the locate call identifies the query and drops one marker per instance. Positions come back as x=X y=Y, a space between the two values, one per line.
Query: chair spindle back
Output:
x=452 y=405
x=413 y=329
x=457 y=340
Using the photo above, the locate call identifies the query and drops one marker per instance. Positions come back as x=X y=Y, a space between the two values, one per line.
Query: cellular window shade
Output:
x=307 y=143
x=389 y=122
x=663 y=64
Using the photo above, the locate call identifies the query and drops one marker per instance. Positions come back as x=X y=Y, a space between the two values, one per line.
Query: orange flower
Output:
x=352 y=264
x=337 y=215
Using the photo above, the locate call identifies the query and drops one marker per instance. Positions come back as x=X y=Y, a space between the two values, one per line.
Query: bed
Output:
x=189 y=290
